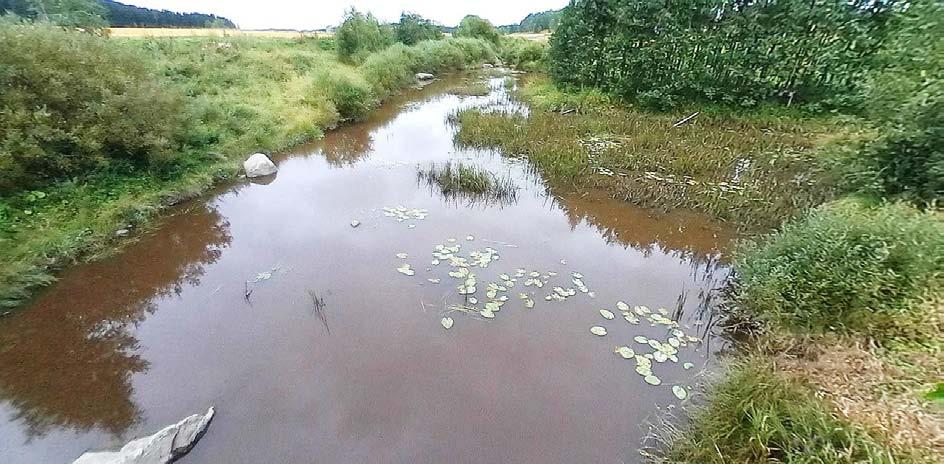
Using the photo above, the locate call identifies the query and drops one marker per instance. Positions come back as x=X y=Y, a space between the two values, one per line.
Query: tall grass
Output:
x=871 y=271
x=458 y=180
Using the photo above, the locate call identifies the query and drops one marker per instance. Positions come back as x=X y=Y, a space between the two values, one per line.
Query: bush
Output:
x=346 y=90
x=847 y=268
x=755 y=415
x=360 y=35
x=527 y=55
x=413 y=29
x=73 y=103
x=477 y=28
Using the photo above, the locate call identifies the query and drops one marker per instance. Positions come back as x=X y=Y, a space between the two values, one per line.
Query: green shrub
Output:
x=848 y=268
x=73 y=103
x=413 y=29
x=390 y=70
x=477 y=28
x=527 y=55
x=348 y=91
x=755 y=415
x=360 y=35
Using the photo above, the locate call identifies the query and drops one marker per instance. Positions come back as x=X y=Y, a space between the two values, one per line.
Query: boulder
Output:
x=259 y=165
x=165 y=446
x=487 y=66
x=424 y=77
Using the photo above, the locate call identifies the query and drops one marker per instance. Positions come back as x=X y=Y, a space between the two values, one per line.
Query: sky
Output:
x=315 y=14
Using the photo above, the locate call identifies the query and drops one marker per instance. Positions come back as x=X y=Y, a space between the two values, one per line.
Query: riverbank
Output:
x=838 y=313
x=246 y=94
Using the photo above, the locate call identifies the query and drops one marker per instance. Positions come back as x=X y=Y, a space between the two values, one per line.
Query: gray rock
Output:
x=355 y=223
x=163 y=447
x=122 y=233
x=424 y=77
x=259 y=165
x=487 y=66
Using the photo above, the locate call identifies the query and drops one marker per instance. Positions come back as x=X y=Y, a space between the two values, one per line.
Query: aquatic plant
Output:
x=459 y=180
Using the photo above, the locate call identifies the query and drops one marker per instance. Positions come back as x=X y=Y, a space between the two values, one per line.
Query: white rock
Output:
x=259 y=165
x=163 y=447
x=487 y=66
x=424 y=77
x=355 y=223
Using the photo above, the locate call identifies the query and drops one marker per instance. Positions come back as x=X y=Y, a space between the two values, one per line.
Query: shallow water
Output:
x=123 y=347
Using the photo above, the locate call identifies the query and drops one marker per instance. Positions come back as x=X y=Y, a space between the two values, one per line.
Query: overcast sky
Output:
x=314 y=14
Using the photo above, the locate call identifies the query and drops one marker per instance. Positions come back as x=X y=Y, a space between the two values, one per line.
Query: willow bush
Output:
x=661 y=52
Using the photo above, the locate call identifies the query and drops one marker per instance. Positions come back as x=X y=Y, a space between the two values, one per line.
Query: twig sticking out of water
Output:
x=318 y=307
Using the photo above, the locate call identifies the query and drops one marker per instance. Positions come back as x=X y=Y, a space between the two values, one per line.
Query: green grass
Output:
x=244 y=95
x=472 y=89
x=472 y=183
x=755 y=415
x=849 y=268
x=753 y=169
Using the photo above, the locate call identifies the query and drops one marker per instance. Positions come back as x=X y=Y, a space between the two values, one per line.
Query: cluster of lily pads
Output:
x=464 y=266
x=401 y=213
x=652 y=350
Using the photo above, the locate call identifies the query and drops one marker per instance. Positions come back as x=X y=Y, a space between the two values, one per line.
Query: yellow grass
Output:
x=535 y=36
x=183 y=32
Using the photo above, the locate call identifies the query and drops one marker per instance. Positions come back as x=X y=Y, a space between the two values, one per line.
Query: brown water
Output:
x=122 y=347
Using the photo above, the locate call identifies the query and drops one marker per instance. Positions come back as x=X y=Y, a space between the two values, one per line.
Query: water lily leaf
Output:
x=493 y=306
x=470 y=238
x=622 y=306
x=626 y=352
x=406 y=270
x=473 y=300
x=529 y=303
x=447 y=322
x=653 y=380
x=688 y=366
x=576 y=275
x=607 y=314
x=680 y=392
x=434 y=281
x=402 y=256
x=659 y=356
x=598 y=331
x=641 y=339
x=487 y=314
x=643 y=370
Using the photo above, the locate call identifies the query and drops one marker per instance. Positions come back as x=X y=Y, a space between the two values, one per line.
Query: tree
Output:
x=85 y=14
x=478 y=28
x=360 y=35
x=414 y=28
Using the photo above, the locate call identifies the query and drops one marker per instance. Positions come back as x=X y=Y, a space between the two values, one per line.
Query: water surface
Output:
x=123 y=347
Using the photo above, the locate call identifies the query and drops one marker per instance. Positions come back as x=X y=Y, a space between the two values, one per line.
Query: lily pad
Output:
x=607 y=314
x=447 y=322
x=680 y=392
x=622 y=306
x=653 y=380
x=688 y=366
x=598 y=331
x=402 y=256
x=626 y=352
x=641 y=339
x=487 y=314
x=406 y=270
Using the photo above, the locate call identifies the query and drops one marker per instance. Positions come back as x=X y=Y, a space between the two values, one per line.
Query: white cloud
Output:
x=314 y=14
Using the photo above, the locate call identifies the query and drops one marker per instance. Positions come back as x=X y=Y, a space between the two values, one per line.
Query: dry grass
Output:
x=883 y=393
x=130 y=32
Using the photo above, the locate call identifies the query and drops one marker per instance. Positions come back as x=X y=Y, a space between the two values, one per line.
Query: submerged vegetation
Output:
x=753 y=170
x=472 y=183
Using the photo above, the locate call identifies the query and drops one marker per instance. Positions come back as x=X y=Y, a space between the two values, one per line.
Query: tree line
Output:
x=103 y=13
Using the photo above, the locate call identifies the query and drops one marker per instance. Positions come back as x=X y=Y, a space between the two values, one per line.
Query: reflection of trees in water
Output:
x=67 y=359
x=685 y=235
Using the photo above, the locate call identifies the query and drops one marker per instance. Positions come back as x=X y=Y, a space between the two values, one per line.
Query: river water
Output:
x=335 y=356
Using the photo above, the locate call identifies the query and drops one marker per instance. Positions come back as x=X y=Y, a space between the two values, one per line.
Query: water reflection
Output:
x=67 y=361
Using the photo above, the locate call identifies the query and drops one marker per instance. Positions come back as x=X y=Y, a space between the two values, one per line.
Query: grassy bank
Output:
x=752 y=169
x=236 y=96
x=837 y=301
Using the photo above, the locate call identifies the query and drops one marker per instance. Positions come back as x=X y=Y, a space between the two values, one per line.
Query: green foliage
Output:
x=360 y=35
x=477 y=28
x=535 y=22
x=937 y=394
x=848 y=268
x=527 y=55
x=72 y=103
x=349 y=92
x=395 y=67
x=756 y=416
x=414 y=28
x=907 y=98
x=738 y=53
x=471 y=183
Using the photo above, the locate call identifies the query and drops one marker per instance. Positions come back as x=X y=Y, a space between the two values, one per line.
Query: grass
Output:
x=473 y=89
x=472 y=183
x=757 y=415
x=753 y=169
x=245 y=95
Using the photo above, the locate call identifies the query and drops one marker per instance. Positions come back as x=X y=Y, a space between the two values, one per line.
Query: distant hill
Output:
x=535 y=22
x=121 y=15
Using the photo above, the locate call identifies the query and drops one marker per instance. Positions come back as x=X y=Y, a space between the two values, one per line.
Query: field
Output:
x=125 y=32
